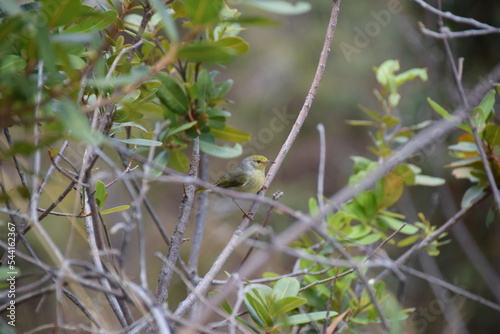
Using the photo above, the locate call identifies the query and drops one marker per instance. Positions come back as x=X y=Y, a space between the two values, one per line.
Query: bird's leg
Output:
x=249 y=215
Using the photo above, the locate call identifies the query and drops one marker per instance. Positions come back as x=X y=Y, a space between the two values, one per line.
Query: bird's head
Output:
x=259 y=162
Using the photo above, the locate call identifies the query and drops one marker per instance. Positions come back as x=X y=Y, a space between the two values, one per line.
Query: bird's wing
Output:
x=235 y=179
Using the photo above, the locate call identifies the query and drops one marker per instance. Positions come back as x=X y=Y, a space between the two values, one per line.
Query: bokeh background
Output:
x=271 y=83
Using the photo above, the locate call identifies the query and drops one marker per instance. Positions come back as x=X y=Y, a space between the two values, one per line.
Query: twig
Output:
x=321 y=169
x=453 y=17
x=166 y=272
x=201 y=215
x=446 y=33
x=451 y=287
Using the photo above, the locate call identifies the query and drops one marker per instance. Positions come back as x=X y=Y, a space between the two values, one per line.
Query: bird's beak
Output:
x=269 y=162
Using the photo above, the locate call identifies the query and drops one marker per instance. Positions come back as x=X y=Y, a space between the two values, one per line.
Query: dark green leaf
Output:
x=97 y=22
x=204 y=52
x=287 y=304
x=204 y=86
x=172 y=95
x=180 y=128
x=485 y=108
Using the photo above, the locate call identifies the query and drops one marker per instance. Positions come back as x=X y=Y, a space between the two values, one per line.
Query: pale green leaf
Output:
x=429 y=181
x=115 y=209
x=140 y=142
x=472 y=194
x=223 y=152
x=396 y=224
x=280 y=7
x=286 y=287
x=231 y=134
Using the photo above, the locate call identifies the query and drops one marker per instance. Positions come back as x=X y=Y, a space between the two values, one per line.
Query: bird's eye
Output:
x=259 y=161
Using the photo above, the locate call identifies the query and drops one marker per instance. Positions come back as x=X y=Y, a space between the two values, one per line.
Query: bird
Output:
x=249 y=176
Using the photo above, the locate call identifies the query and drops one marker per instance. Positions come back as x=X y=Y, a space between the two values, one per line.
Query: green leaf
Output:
x=178 y=160
x=161 y=160
x=485 y=108
x=411 y=74
x=74 y=120
x=172 y=95
x=204 y=85
x=286 y=287
x=313 y=206
x=223 y=152
x=180 y=128
x=280 y=7
x=233 y=45
x=167 y=20
x=464 y=146
x=287 y=304
x=385 y=73
x=140 y=142
x=255 y=301
x=306 y=318
x=361 y=123
x=491 y=134
x=100 y=193
x=62 y=12
x=115 y=209
x=408 y=241
x=203 y=11
x=369 y=239
x=135 y=74
x=440 y=110
x=231 y=134
x=222 y=88
x=472 y=194
x=464 y=162
x=359 y=231
x=98 y=21
x=396 y=224
x=429 y=181
x=204 y=52
x=12 y=64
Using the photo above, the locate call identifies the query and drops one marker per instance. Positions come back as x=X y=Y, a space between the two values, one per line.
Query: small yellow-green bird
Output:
x=248 y=176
